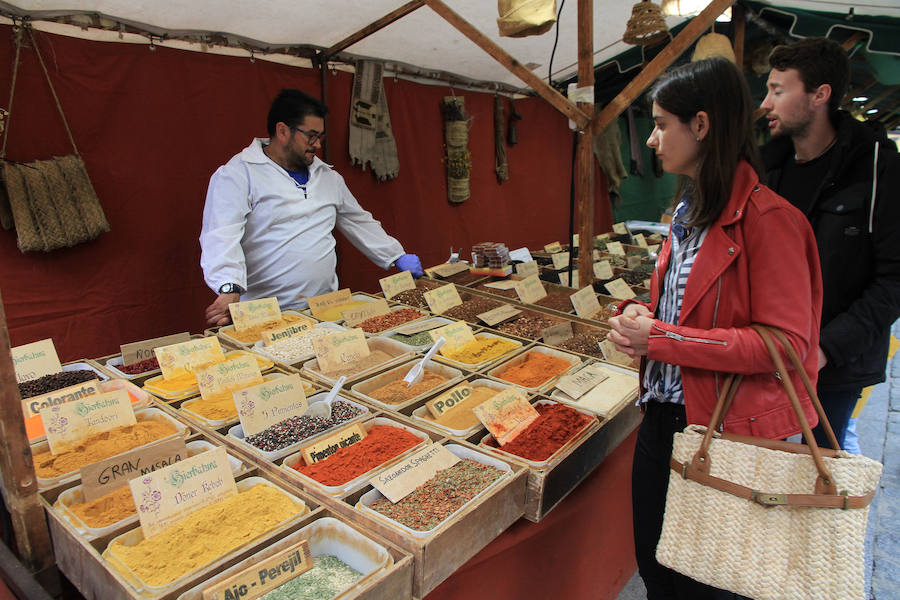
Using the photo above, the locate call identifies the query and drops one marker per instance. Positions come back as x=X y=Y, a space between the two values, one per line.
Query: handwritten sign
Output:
x=557 y=334
x=320 y=304
x=530 y=289
x=442 y=299
x=400 y=480
x=564 y=279
x=449 y=400
x=295 y=329
x=521 y=255
x=595 y=255
x=560 y=260
x=554 y=247
x=506 y=284
x=35 y=360
x=640 y=240
x=448 y=269
x=499 y=314
x=171 y=493
x=346 y=436
x=178 y=359
x=603 y=270
x=580 y=383
x=506 y=414
x=262 y=577
x=653 y=248
x=107 y=475
x=647 y=283
x=456 y=334
x=34 y=405
x=394 y=284
x=617 y=288
x=615 y=248
x=419 y=327
x=620 y=228
x=585 y=302
x=357 y=315
x=69 y=424
x=227 y=376
x=610 y=354
x=336 y=350
x=271 y=402
x=527 y=269
x=252 y=313
x=632 y=260
x=138 y=351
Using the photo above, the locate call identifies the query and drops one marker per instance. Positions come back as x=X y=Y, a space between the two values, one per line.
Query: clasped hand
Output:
x=631 y=329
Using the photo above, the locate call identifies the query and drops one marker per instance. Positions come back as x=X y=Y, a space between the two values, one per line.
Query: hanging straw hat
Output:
x=647 y=26
x=713 y=44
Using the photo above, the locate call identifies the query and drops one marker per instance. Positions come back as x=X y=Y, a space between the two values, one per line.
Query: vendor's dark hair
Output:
x=715 y=86
x=818 y=61
x=291 y=107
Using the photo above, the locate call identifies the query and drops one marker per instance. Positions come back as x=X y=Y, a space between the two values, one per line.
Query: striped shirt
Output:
x=662 y=381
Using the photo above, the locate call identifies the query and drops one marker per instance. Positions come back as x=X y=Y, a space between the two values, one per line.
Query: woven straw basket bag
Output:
x=763 y=518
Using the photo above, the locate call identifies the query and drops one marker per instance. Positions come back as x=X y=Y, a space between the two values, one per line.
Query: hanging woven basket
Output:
x=647 y=26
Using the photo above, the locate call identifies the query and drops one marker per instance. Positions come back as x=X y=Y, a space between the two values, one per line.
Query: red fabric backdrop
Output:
x=153 y=125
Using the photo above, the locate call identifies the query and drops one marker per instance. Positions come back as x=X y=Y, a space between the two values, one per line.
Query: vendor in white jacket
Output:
x=270 y=212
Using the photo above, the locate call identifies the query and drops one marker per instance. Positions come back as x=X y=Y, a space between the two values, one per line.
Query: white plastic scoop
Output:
x=322 y=408
x=417 y=372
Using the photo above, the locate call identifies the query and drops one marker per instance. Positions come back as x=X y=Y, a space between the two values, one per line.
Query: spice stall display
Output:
x=556 y=425
x=248 y=336
x=485 y=349
x=461 y=421
x=389 y=390
x=535 y=369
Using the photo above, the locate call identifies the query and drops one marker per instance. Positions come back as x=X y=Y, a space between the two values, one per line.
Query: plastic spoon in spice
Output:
x=416 y=374
x=322 y=408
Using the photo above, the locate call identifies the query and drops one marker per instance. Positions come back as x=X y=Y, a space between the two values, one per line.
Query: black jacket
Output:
x=857 y=225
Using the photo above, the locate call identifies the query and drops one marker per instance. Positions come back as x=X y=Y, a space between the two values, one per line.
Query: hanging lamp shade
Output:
x=647 y=26
x=713 y=44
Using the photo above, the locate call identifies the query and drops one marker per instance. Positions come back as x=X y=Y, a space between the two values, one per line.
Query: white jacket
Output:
x=262 y=231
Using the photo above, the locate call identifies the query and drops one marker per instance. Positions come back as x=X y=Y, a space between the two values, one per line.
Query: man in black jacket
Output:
x=845 y=176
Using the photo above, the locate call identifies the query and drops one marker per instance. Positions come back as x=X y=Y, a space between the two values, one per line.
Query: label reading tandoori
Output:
x=400 y=282
x=346 y=436
x=251 y=313
x=227 y=376
x=138 y=351
x=261 y=406
x=69 y=424
x=107 y=475
x=178 y=359
x=319 y=304
x=530 y=289
x=399 y=481
x=264 y=576
x=335 y=350
x=506 y=414
x=35 y=360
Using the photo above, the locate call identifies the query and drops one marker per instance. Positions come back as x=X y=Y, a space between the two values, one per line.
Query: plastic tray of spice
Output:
x=573 y=361
x=423 y=337
x=395 y=350
x=144 y=414
x=327 y=536
x=228 y=332
x=424 y=415
x=357 y=482
x=626 y=395
x=187 y=407
x=484 y=363
x=356 y=299
x=152 y=385
x=237 y=431
x=75 y=495
x=135 y=536
x=367 y=386
x=263 y=349
x=116 y=363
x=84 y=365
x=409 y=311
x=371 y=496
x=590 y=420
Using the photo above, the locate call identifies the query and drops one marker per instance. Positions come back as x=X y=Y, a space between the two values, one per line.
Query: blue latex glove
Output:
x=411 y=263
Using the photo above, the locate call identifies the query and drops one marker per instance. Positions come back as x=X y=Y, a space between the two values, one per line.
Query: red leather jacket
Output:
x=758 y=264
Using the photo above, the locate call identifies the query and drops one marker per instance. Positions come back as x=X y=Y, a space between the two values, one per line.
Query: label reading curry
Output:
x=262 y=577
x=171 y=493
x=506 y=414
x=393 y=285
x=442 y=299
x=346 y=436
x=252 y=313
x=261 y=406
x=319 y=304
x=35 y=360
x=228 y=376
x=530 y=289
x=335 y=350
x=179 y=359
x=69 y=424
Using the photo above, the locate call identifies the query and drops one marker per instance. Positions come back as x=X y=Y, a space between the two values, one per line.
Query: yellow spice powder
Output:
x=100 y=446
x=479 y=351
x=334 y=313
x=218 y=407
x=254 y=333
x=107 y=509
x=173 y=385
x=206 y=535
x=461 y=415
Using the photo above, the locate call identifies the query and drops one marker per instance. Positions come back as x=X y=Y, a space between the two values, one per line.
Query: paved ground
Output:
x=879 y=438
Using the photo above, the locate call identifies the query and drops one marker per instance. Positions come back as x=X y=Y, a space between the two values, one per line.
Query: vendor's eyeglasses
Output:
x=311 y=136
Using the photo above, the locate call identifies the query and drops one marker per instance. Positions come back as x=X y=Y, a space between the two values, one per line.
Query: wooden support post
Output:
x=666 y=57
x=739 y=19
x=17 y=468
x=543 y=89
x=584 y=153
x=373 y=27
x=851 y=41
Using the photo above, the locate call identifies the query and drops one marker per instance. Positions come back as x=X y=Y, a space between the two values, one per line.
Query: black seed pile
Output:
x=294 y=429
x=54 y=381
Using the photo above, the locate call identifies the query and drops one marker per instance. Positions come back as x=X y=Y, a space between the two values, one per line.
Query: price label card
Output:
x=554 y=247
x=178 y=359
x=35 y=360
x=506 y=414
x=252 y=313
x=320 y=304
x=521 y=255
x=355 y=316
x=585 y=302
x=442 y=299
x=227 y=376
x=602 y=236
x=138 y=351
x=69 y=424
x=419 y=327
x=400 y=480
x=617 y=288
x=557 y=334
x=640 y=240
x=295 y=329
x=506 y=284
x=108 y=475
x=656 y=237
x=564 y=279
x=393 y=285
x=34 y=405
x=603 y=270
x=580 y=383
x=346 y=436
x=448 y=269
x=271 y=402
x=647 y=283
x=632 y=261
x=610 y=354
x=264 y=576
x=653 y=248
x=500 y=314
x=457 y=334
x=527 y=269
x=171 y=493
x=620 y=228
x=576 y=240
x=615 y=248
x=449 y=400
x=530 y=289
x=560 y=260
x=595 y=255
x=336 y=350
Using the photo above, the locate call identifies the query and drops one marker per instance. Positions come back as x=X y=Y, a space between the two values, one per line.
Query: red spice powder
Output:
x=381 y=444
x=555 y=426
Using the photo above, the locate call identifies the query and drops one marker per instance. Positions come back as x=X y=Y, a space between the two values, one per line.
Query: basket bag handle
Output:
x=825 y=494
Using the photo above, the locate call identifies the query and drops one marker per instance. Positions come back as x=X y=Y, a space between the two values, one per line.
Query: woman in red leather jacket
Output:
x=737 y=254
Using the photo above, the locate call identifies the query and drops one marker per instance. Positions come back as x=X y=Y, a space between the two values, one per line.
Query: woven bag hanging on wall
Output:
x=456 y=139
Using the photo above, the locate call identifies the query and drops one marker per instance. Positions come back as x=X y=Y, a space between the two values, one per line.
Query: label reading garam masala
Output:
x=109 y=474
x=35 y=360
